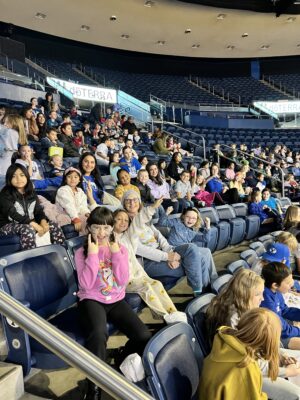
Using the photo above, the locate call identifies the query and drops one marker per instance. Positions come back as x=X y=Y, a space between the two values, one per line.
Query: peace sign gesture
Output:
x=92 y=246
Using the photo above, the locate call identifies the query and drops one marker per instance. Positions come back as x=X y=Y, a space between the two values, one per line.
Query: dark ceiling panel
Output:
x=266 y=6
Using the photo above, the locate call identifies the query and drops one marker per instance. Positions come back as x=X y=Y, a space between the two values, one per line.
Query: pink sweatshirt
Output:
x=102 y=277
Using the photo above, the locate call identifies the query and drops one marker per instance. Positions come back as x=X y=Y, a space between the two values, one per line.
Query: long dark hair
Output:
x=95 y=173
x=158 y=179
x=28 y=190
x=99 y=216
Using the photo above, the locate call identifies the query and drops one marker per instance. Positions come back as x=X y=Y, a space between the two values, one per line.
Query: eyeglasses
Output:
x=96 y=228
x=131 y=200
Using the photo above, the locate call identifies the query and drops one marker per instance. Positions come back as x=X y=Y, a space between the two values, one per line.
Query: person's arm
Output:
x=151 y=253
x=164 y=220
x=120 y=263
x=288 y=330
x=38 y=212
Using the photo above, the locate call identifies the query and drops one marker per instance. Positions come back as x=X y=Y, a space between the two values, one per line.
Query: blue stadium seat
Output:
x=266 y=240
x=9 y=244
x=196 y=318
x=223 y=227
x=173 y=362
x=220 y=283
x=249 y=256
x=42 y=279
x=235 y=266
x=252 y=221
x=237 y=225
x=258 y=247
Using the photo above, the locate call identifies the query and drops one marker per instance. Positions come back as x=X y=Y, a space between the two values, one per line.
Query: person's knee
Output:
x=28 y=230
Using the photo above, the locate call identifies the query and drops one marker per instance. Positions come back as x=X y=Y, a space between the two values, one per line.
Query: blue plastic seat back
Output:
x=173 y=363
x=235 y=266
x=219 y=284
x=258 y=247
x=43 y=277
x=196 y=318
x=249 y=256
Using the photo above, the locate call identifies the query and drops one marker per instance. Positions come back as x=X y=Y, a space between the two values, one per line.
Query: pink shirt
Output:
x=102 y=277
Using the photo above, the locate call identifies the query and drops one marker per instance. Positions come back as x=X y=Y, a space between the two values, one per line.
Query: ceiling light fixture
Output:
x=291 y=19
x=188 y=30
x=264 y=47
x=244 y=35
x=230 y=47
x=113 y=18
x=195 y=46
x=221 y=16
x=124 y=36
x=149 y=3
x=40 y=15
x=85 y=28
x=161 y=42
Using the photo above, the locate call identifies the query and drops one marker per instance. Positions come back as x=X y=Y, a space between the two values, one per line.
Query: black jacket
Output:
x=70 y=149
x=20 y=209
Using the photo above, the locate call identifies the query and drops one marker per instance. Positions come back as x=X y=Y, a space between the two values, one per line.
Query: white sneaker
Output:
x=176 y=316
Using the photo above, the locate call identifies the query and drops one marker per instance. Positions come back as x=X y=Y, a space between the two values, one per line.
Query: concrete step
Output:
x=11 y=381
x=28 y=396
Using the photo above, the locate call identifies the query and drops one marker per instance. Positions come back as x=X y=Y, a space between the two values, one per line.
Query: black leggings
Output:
x=93 y=318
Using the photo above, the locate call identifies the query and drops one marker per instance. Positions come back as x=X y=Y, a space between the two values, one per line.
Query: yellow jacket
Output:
x=221 y=379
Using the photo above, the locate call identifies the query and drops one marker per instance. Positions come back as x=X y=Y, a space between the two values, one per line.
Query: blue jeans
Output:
x=196 y=263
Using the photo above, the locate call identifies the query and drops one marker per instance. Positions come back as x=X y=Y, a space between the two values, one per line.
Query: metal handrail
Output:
x=74 y=354
x=257 y=158
x=189 y=131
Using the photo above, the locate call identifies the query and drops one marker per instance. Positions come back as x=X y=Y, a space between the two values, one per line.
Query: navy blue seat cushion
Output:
x=178 y=371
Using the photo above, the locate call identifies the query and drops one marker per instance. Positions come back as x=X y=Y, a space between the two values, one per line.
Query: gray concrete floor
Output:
x=67 y=384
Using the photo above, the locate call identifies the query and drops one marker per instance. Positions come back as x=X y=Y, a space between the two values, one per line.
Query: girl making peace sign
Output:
x=103 y=273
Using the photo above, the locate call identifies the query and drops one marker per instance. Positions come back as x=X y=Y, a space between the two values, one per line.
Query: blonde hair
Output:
x=16 y=122
x=289 y=240
x=259 y=329
x=291 y=217
x=235 y=298
x=199 y=221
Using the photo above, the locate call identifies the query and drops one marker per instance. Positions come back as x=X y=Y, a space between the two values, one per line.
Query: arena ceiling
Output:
x=167 y=27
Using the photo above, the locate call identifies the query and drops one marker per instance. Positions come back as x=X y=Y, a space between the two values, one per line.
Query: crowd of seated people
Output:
x=45 y=148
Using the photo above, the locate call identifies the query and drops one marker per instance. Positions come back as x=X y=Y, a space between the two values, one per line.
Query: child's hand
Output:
x=114 y=246
x=169 y=210
x=207 y=222
x=174 y=264
x=92 y=246
x=157 y=203
x=77 y=226
x=38 y=228
x=44 y=224
x=89 y=191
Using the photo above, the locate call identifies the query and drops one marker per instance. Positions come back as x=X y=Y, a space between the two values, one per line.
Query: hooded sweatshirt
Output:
x=222 y=379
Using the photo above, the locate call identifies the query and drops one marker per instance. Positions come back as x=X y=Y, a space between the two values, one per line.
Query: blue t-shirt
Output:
x=95 y=188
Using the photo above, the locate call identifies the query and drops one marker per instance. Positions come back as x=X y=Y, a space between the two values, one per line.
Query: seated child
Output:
x=26 y=155
x=234 y=357
x=57 y=166
x=183 y=190
x=187 y=228
x=124 y=184
x=278 y=281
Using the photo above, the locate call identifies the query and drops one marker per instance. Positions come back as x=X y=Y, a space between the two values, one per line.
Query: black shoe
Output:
x=93 y=392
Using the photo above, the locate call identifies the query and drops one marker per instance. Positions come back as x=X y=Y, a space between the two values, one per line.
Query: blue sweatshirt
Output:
x=181 y=234
x=274 y=301
x=257 y=209
x=214 y=185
